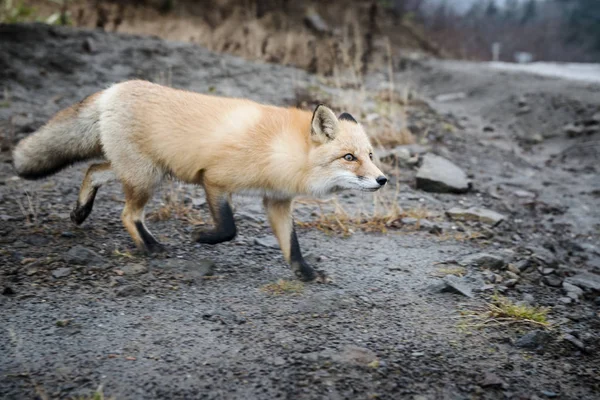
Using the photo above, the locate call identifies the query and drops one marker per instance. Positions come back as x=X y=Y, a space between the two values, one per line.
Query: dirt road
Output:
x=80 y=309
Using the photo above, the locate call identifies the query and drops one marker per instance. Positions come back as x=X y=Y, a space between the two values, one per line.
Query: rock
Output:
x=552 y=280
x=192 y=270
x=61 y=272
x=476 y=214
x=512 y=275
x=543 y=256
x=455 y=284
x=573 y=340
x=438 y=174
x=354 y=355
x=315 y=22
x=403 y=156
x=514 y=269
x=573 y=130
x=442 y=98
x=565 y=300
x=36 y=240
x=130 y=291
x=268 y=241
x=585 y=280
x=482 y=260
x=523 y=265
x=569 y=288
x=8 y=291
x=89 y=45
x=224 y=317
x=492 y=380
x=547 y=271
x=511 y=283
x=134 y=269
x=82 y=256
x=524 y=194
x=533 y=339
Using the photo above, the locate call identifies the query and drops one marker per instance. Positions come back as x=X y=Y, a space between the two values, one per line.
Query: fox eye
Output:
x=349 y=157
x=371 y=156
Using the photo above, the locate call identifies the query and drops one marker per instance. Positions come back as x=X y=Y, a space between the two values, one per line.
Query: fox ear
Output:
x=324 y=125
x=347 y=117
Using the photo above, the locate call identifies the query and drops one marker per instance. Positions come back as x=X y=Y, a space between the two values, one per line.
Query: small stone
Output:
x=67 y=234
x=130 y=291
x=8 y=291
x=543 y=256
x=36 y=240
x=569 y=288
x=482 y=215
x=355 y=355
x=552 y=280
x=511 y=283
x=134 y=269
x=533 y=339
x=576 y=342
x=523 y=265
x=89 y=45
x=585 y=280
x=82 y=256
x=547 y=271
x=573 y=296
x=528 y=298
x=61 y=272
x=268 y=241
x=524 y=194
x=483 y=260
x=492 y=380
x=514 y=269
x=565 y=300
x=454 y=284
x=439 y=175
x=512 y=275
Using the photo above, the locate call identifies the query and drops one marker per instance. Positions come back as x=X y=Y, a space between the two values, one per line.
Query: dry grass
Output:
x=173 y=206
x=283 y=287
x=385 y=214
x=454 y=270
x=501 y=311
x=30 y=208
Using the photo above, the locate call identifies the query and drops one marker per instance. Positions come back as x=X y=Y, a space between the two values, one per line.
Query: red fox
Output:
x=145 y=132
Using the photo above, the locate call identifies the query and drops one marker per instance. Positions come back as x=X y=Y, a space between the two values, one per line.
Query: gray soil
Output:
x=79 y=308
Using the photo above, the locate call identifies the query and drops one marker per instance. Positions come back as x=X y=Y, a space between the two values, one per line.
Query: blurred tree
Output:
x=529 y=12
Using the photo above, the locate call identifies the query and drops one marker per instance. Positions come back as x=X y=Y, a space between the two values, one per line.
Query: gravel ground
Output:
x=80 y=308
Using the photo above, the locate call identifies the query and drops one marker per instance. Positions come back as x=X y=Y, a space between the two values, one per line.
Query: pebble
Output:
x=533 y=339
x=61 y=272
x=552 y=280
x=82 y=256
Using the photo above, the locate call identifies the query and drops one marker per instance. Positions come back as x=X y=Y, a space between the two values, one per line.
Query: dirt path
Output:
x=79 y=309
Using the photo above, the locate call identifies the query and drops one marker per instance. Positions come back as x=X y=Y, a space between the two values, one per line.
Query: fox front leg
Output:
x=280 y=218
x=222 y=214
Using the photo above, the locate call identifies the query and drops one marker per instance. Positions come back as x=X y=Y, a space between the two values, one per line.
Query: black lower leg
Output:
x=150 y=243
x=81 y=211
x=301 y=268
x=225 y=229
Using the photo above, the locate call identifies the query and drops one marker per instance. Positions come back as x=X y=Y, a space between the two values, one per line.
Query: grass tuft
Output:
x=502 y=311
x=283 y=287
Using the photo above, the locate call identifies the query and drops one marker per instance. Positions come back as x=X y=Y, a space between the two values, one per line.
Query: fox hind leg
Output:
x=133 y=219
x=96 y=176
x=220 y=209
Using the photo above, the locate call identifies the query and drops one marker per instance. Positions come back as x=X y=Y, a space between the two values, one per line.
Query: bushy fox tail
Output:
x=71 y=135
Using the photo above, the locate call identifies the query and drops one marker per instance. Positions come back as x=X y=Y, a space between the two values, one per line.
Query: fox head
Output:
x=341 y=155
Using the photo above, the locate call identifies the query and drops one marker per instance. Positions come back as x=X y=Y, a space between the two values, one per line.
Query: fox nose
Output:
x=382 y=180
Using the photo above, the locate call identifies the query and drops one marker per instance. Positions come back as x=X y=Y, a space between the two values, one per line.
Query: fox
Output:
x=143 y=132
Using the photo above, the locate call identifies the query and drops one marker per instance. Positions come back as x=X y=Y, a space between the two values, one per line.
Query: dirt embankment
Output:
x=80 y=309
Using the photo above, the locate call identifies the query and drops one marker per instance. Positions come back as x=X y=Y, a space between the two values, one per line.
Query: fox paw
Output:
x=313 y=275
